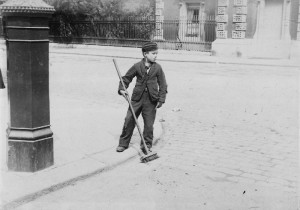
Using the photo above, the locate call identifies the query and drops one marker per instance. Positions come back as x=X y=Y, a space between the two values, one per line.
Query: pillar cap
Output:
x=26 y=6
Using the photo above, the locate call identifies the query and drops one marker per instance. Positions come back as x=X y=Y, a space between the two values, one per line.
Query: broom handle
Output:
x=130 y=105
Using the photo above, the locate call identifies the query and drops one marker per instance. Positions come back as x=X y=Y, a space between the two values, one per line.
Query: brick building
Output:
x=248 y=28
x=258 y=28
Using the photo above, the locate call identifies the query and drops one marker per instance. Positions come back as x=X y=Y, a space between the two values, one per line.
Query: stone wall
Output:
x=236 y=19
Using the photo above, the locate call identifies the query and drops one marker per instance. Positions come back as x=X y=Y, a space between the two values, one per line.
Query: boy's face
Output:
x=151 y=55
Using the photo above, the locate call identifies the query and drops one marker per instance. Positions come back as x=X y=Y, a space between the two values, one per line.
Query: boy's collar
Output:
x=144 y=62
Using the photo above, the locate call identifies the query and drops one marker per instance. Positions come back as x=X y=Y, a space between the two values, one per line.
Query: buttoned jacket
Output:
x=154 y=82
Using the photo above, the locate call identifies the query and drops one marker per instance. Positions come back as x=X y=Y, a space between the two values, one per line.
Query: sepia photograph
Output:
x=149 y=104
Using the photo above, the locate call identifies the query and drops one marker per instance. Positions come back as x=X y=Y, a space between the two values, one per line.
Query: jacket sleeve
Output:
x=131 y=73
x=162 y=83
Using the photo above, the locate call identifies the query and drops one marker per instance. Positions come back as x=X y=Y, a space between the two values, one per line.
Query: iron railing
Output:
x=170 y=34
x=105 y=32
x=187 y=34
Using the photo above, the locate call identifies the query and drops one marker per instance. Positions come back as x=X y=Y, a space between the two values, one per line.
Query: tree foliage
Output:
x=95 y=9
x=69 y=12
x=78 y=9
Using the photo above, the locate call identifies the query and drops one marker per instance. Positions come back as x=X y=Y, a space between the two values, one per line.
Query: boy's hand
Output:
x=124 y=94
x=159 y=104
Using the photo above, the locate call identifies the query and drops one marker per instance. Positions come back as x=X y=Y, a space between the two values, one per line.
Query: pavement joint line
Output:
x=33 y=196
x=180 y=61
x=99 y=152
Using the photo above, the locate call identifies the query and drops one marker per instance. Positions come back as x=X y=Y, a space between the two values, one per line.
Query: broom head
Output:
x=149 y=157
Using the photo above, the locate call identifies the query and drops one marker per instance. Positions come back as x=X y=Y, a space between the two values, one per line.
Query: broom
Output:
x=149 y=155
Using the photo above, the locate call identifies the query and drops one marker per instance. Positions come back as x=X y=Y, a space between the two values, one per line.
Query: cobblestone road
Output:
x=237 y=126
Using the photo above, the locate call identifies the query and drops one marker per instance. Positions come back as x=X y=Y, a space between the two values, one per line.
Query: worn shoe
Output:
x=121 y=149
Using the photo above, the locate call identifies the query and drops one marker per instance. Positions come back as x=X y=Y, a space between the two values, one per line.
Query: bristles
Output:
x=149 y=157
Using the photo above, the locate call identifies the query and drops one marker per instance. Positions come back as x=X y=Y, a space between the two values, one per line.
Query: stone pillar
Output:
x=30 y=141
x=159 y=20
x=262 y=32
x=260 y=18
x=286 y=20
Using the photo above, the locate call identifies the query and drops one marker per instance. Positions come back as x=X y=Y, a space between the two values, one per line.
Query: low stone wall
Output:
x=250 y=48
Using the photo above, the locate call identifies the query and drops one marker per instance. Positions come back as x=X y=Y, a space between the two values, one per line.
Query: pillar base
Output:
x=30 y=156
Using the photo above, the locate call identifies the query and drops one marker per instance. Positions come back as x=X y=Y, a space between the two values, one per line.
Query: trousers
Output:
x=146 y=107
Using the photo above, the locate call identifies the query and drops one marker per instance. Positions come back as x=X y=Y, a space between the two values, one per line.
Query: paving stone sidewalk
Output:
x=87 y=116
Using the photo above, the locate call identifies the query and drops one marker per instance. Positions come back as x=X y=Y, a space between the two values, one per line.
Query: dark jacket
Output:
x=154 y=81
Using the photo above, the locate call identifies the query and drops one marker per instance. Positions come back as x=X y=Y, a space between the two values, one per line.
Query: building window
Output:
x=193 y=15
x=193 y=20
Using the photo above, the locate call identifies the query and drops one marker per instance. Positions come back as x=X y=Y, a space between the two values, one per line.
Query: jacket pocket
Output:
x=137 y=93
x=153 y=92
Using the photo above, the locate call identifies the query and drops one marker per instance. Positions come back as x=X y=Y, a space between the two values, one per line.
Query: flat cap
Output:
x=149 y=46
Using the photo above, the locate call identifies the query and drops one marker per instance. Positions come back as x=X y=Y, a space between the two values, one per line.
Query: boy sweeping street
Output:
x=148 y=95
